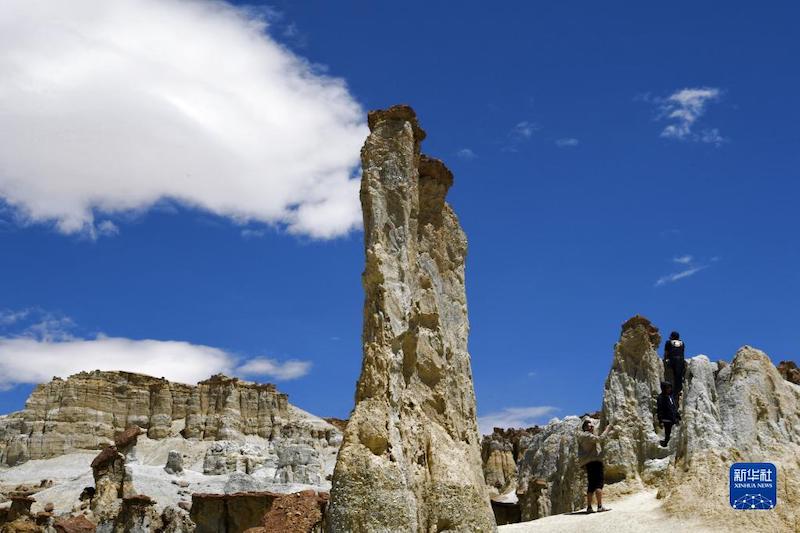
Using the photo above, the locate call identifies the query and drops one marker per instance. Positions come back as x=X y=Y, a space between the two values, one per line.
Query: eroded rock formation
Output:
x=247 y=425
x=230 y=513
x=410 y=459
x=87 y=409
x=629 y=402
x=789 y=371
x=500 y=452
x=744 y=411
x=550 y=481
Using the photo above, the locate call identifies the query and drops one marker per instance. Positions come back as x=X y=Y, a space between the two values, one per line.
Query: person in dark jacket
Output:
x=674 y=351
x=667 y=411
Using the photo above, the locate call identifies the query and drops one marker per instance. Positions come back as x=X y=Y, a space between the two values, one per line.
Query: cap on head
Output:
x=674 y=335
x=665 y=385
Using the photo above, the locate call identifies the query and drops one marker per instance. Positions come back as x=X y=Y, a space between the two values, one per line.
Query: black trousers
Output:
x=678 y=367
x=667 y=431
x=594 y=476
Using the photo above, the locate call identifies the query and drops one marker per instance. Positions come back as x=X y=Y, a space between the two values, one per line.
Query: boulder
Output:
x=301 y=512
x=74 y=524
x=410 y=457
x=241 y=482
x=174 y=463
x=230 y=513
x=20 y=506
x=176 y=520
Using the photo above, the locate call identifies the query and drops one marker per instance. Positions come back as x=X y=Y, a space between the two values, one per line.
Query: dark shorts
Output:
x=594 y=472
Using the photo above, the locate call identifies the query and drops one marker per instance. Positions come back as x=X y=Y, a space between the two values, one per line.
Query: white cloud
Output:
x=675 y=276
x=263 y=366
x=523 y=130
x=466 y=153
x=683 y=108
x=567 y=142
x=514 y=417
x=520 y=133
x=113 y=107
x=9 y=317
x=29 y=360
x=44 y=346
x=249 y=233
x=691 y=268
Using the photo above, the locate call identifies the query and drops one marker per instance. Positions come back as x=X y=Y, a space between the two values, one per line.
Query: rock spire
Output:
x=410 y=459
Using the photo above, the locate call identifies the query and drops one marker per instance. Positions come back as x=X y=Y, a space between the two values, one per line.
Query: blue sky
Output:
x=609 y=160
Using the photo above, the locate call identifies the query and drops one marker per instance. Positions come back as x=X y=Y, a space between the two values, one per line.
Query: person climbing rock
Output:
x=590 y=456
x=674 y=359
x=667 y=411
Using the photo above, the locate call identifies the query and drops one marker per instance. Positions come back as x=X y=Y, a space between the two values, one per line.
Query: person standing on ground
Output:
x=667 y=411
x=674 y=351
x=590 y=456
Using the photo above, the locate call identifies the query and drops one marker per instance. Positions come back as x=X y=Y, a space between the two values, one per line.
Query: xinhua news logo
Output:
x=753 y=486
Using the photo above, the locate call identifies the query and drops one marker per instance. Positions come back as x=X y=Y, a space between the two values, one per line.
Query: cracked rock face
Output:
x=410 y=459
x=629 y=401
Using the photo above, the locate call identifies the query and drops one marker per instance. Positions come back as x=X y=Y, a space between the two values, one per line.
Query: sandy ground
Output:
x=640 y=512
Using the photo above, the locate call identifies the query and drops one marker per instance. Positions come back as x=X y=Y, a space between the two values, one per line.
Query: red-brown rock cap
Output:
x=639 y=320
x=397 y=112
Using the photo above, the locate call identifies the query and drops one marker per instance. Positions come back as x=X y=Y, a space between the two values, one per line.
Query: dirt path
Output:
x=640 y=512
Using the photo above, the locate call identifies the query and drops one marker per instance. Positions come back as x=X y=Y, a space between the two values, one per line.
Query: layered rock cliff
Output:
x=86 y=410
x=410 y=459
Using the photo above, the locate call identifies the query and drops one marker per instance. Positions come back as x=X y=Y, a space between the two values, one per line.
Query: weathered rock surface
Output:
x=789 y=371
x=230 y=513
x=745 y=411
x=87 y=409
x=629 y=401
x=301 y=512
x=174 y=463
x=550 y=481
x=74 y=524
x=500 y=452
x=239 y=426
x=410 y=459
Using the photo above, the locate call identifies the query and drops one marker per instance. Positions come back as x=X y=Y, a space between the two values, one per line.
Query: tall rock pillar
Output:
x=410 y=459
x=629 y=401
